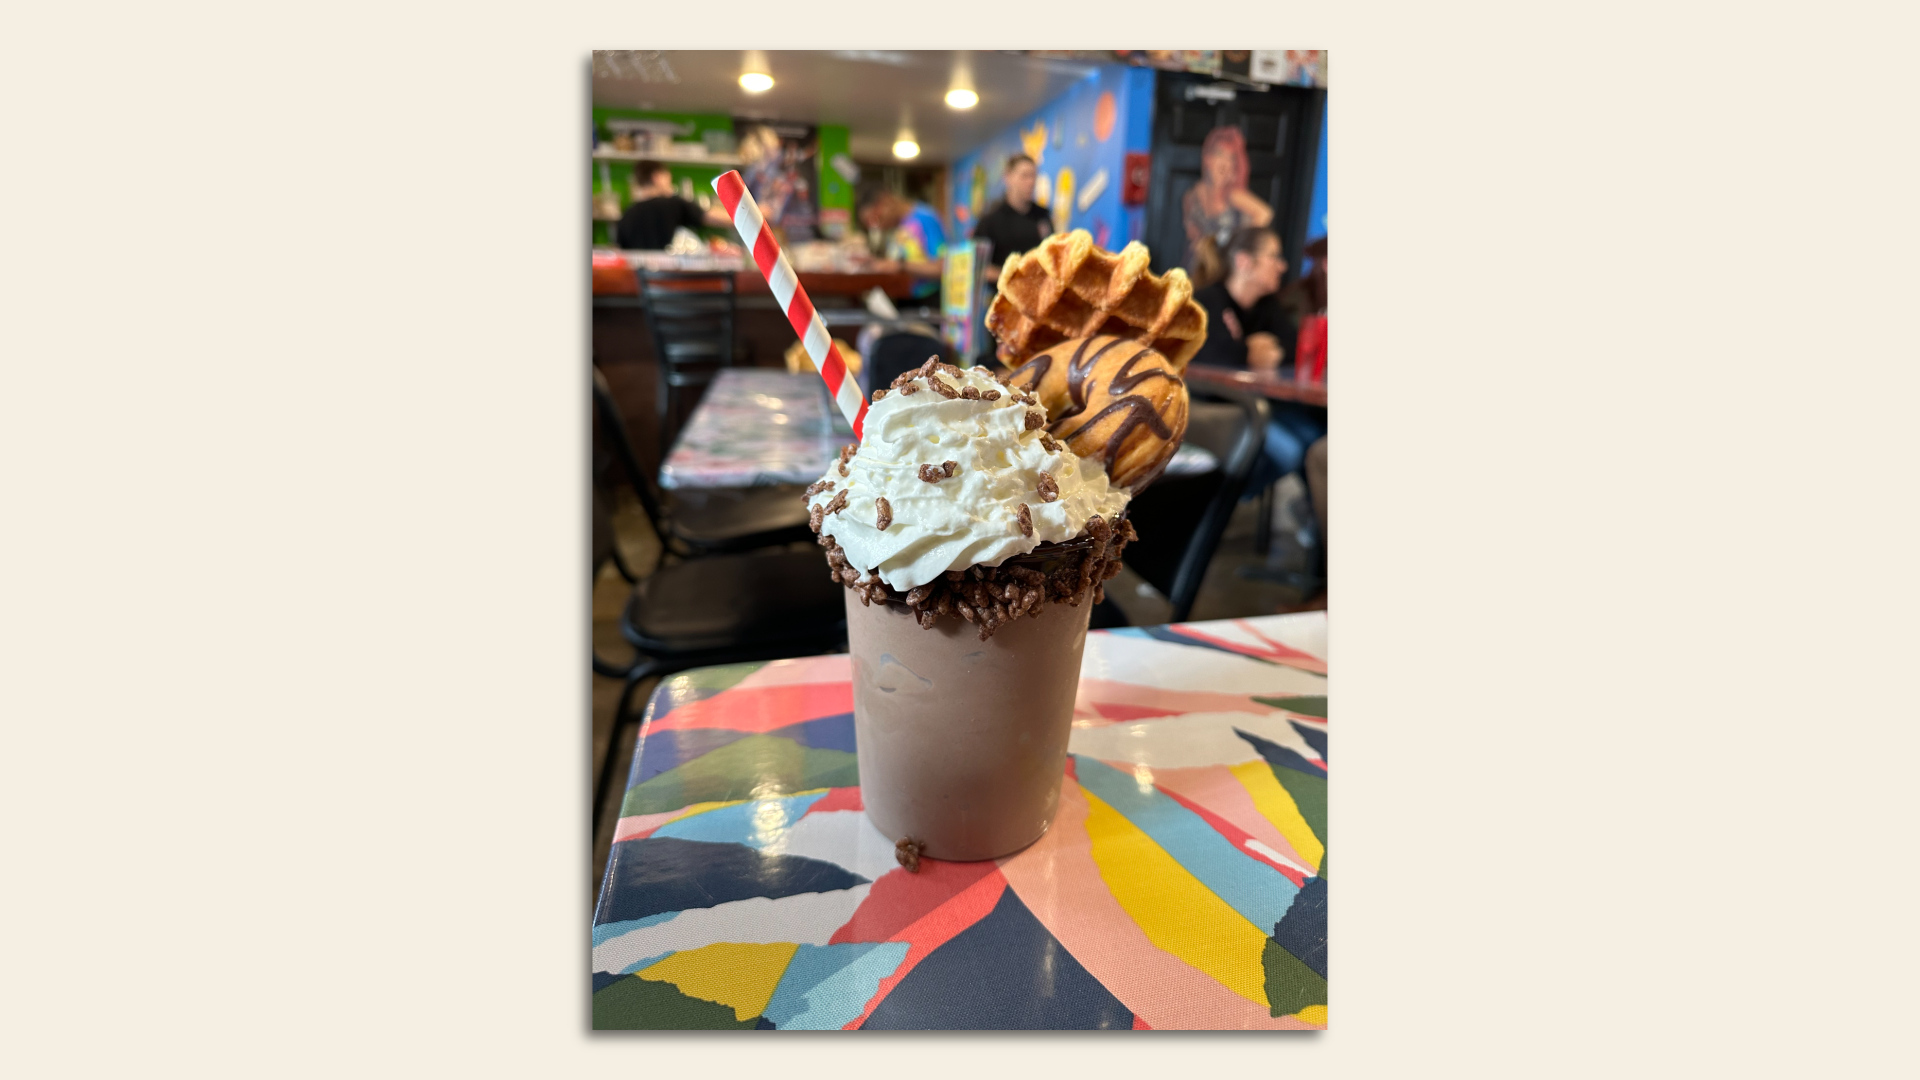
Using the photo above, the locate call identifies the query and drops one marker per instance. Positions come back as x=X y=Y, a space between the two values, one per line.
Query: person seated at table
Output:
x=1248 y=329
x=1305 y=301
x=915 y=240
x=649 y=224
x=1246 y=326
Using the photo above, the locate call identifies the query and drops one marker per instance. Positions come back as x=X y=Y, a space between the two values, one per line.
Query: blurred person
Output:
x=1016 y=224
x=1306 y=302
x=1247 y=328
x=1219 y=204
x=915 y=240
x=1246 y=325
x=649 y=224
x=1316 y=474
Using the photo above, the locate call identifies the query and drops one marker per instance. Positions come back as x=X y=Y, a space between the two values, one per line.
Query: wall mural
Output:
x=1079 y=143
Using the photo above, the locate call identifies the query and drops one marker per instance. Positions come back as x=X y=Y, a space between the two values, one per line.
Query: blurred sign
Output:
x=960 y=293
x=1133 y=185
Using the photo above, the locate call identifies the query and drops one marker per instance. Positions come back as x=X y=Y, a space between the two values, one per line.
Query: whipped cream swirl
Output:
x=973 y=516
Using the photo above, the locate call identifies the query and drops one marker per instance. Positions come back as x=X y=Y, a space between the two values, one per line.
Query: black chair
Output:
x=1174 y=559
x=775 y=602
x=725 y=609
x=691 y=317
x=899 y=351
x=702 y=522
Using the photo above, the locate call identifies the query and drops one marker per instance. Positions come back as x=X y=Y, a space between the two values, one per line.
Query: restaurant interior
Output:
x=898 y=186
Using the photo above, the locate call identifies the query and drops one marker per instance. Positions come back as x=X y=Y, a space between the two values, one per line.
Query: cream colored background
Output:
x=293 y=440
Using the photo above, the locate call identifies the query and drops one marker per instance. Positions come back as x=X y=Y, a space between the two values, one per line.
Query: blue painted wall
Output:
x=1064 y=137
x=1317 y=210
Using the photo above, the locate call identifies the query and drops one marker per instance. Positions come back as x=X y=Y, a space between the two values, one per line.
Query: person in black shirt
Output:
x=1246 y=326
x=1015 y=225
x=649 y=224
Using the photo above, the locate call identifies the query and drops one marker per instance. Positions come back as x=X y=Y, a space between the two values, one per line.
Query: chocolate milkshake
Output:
x=973 y=545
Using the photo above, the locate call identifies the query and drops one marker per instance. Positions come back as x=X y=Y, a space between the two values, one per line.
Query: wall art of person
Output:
x=1219 y=204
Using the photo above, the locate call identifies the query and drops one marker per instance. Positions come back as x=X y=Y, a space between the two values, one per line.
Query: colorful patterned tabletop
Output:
x=759 y=426
x=1182 y=885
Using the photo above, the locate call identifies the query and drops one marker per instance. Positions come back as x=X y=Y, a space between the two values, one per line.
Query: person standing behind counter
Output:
x=916 y=241
x=649 y=224
x=1016 y=225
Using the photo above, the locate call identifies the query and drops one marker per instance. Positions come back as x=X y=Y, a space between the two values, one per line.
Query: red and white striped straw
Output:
x=792 y=299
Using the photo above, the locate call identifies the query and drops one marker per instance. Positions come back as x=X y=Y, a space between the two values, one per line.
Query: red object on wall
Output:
x=1133 y=189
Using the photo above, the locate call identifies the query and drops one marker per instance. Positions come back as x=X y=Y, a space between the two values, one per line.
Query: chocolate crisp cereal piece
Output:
x=1048 y=441
x=886 y=513
x=1026 y=519
x=932 y=474
x=991 y=395
x=1036 y=420
x=1049 y=488
x=838 y=504
x=878 y=394
x=906 y=851
x=909 y=388
x=942 y=389
x=947 y=467
x=819 y=486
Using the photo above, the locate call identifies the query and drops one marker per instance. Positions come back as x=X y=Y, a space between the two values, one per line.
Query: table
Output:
x=1182 y=885
x=1240 y=381
x=757 y=426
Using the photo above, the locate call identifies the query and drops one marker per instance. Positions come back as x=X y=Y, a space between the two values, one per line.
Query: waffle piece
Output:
x=1111 y=399
x=1067 y=288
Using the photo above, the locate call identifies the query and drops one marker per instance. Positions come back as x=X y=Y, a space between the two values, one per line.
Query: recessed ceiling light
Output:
x=962 y=99
x=756 y=82
x=906 y=148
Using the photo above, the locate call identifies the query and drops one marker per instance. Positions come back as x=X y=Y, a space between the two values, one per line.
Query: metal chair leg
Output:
x=609 y=669
x=1263 y=528
x=636 y=674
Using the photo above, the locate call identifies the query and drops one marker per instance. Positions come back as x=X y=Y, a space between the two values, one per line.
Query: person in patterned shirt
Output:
x=916 y=241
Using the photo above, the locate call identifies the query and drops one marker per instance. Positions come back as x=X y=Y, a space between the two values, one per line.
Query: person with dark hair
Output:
x=1015 y=225
x=649 y=224
x=1246 y=326
x=915 y=239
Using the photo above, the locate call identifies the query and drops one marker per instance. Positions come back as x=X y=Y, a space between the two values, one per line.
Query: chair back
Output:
x=691 y=315
x=1180 y=519
x=901 y=351
x=610 y=430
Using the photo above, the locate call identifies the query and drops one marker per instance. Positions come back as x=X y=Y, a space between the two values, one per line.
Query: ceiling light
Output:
x=756 y=82
x=906 y=148
x=962 y=99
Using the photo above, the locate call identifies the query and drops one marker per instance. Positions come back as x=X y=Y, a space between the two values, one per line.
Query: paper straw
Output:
x=751 y=226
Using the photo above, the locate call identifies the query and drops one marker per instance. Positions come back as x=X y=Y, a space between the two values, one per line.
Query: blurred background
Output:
x=897 y=183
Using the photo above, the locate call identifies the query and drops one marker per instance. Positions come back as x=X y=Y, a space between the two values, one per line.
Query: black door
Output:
x=1281 y=126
